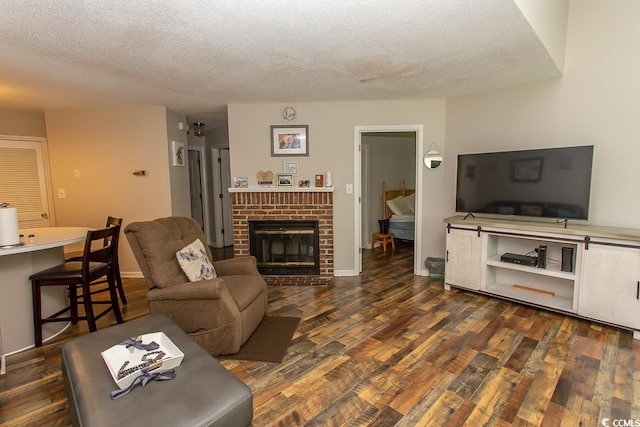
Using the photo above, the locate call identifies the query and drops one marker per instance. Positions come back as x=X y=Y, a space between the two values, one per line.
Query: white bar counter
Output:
x=16 y=305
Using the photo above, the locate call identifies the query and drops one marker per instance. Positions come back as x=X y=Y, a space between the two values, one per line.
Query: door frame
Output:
x=357 y=196
x=205 y=190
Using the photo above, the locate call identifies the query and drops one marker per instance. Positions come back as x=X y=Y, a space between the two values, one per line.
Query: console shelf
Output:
x=553 y=302
x=552 y=271
x=603 y=278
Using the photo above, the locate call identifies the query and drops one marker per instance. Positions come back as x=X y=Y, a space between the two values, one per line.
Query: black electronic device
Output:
x=567 y=259
x=542 y=256
x=549 y=183
x=527 y=260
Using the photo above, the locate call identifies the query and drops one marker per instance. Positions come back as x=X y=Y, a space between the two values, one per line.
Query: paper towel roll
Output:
x=9 y=230
x=328 y=182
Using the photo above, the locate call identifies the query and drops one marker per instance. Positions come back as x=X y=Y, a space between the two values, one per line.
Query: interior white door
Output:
x=223 y=211
x=364 y=206
x=195 y=185
x=24 y=179
x=227 y=209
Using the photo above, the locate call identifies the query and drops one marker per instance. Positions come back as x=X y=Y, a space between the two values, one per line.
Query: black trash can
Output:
x=384 y=225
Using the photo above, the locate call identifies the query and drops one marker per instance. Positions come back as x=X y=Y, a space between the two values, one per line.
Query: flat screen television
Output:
x=548 y=183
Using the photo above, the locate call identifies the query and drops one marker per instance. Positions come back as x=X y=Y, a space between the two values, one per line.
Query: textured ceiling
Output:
x=196 y=57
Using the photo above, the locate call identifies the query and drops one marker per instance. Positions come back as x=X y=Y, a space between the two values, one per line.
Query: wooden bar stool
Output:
x=97 y=262
x=383 y=238
x=77 y=256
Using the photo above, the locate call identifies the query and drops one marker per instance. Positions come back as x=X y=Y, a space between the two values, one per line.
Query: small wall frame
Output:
x=178 y=153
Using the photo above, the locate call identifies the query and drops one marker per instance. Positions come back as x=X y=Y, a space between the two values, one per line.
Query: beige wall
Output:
x=178 y=175
x=596 y=102
x=105 y=145
x=22 y=123
x=331 y=147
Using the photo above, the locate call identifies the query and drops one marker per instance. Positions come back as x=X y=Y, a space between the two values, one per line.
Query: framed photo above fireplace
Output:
x=292 y=140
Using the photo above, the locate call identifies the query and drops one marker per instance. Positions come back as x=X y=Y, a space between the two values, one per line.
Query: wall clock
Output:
x=288 y=114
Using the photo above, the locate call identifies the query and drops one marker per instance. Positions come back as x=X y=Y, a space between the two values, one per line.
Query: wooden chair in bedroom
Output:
x=384 y=239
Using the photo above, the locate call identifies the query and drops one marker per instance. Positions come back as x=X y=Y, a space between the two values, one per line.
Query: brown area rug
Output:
x=269 y=342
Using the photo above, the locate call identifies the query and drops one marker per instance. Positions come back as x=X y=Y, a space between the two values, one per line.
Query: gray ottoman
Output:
x=203 y=392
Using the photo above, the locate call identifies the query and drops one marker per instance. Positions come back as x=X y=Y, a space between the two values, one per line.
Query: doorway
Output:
x=361 y=168
x=199 y=188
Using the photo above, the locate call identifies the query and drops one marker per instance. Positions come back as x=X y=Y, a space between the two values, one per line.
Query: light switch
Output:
x=76 y=173
x=62 y=194
x=349 y=188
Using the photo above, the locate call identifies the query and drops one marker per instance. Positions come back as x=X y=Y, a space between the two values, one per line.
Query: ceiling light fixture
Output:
x=198 y=129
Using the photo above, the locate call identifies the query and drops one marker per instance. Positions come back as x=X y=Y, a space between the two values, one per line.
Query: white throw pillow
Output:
x=411 y=202
x=398 y=206
x=195 y=263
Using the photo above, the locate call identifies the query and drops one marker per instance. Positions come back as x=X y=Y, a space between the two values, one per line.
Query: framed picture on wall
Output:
x=289 y=140
x=291 y=167
x=178 y=153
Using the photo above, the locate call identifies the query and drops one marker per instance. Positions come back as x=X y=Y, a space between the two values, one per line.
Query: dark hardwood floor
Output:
x=389 y=348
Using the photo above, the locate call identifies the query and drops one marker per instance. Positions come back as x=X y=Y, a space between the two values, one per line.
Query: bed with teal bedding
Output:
x=399 y=209
x=402 y=226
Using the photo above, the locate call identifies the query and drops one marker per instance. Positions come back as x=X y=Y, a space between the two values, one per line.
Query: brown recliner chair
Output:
x=219 y=314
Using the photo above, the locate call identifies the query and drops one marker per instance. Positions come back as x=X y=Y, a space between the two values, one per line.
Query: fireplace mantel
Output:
x=259 y=189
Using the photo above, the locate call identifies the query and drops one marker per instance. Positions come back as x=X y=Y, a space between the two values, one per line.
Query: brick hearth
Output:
x=281 y=205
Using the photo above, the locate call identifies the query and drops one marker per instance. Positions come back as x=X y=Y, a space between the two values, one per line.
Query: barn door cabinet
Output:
x=610 y=287
x=599 y=281
x=463 y=259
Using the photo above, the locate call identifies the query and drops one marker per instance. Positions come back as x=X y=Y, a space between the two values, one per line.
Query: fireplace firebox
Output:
x=285 y=247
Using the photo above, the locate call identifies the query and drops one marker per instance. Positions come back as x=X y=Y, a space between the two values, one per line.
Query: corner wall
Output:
x=596 y=102
x=22 y=123
x=105 y=145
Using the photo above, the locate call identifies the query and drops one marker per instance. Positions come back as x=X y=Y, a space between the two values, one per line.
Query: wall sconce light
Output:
x=183 y=127
x=198 y=129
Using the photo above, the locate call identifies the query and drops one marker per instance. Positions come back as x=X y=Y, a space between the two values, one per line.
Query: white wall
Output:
x=331 y=146
x=596 y=102
x=548 y=18
x=105 y=145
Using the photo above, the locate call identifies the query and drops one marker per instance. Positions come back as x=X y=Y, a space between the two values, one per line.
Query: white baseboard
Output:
x=344 y=273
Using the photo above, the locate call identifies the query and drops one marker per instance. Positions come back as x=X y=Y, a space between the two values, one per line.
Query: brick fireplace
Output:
x=285 y=204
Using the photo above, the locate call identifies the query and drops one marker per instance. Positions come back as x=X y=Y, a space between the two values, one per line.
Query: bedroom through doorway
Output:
x=387 y=167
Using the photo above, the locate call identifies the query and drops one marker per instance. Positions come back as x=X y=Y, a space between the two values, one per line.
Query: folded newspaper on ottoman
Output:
x=153 y=351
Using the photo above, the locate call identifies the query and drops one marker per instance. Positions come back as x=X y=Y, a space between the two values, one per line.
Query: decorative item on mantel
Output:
x=265 y=178
x=240 y=182
x=328 y=180
x=319 y=180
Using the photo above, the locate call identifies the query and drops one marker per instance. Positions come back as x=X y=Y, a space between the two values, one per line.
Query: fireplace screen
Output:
x=285 y=247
